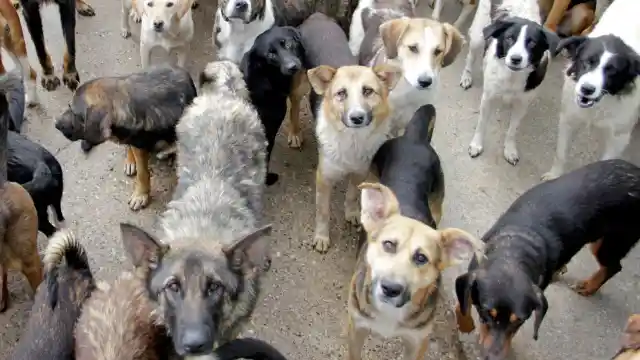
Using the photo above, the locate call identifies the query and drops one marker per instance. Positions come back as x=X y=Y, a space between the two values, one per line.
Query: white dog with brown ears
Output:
x=387 y=32
x=165 y=23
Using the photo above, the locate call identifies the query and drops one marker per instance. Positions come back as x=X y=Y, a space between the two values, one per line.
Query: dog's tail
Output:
x=421 y=126
x=248 y=348
x=63 y=245
x=38 y=183
x=10 y=87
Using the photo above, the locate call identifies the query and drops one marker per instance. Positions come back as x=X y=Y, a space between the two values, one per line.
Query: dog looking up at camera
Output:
x=204 y=272
x=517 y=53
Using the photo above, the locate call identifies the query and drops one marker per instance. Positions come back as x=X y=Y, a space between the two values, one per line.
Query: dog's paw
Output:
x=86 y=10
x=195 y=5
x=585 y=288
x=556 y=276
x=321 y=243
x=85 y=146
x=550 y=175
x=352 y=216
x=294 y=141
x=133 y=14
x=16 y=4
x=466 y=80
x=511 y=155
x=138 y=201
x=50 y=82
x=129 y=169
x=125 y=33
x=31 y=99
x=272 y=178
x=71 y=80
x=475 y=149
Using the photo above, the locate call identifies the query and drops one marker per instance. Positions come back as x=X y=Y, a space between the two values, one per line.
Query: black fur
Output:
x=586 y=52
x=540 y=233
x=38 y=171
x=248 y=348
x=410 y=167
x=269 y=68
x=538 y=41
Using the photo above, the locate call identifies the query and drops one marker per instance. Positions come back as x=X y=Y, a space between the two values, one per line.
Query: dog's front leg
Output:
x=351 y=204
x=32 y=17
x=558 y=9
x=125 y=28
x=183 y=51
x=518 y=112
x=437 y=9
x=145 y=53
x=356 y=337
x=130 y=163
x=413 y=350
x=566 y=128
x=617 y=138
x=475 y=47
x=300 y=89
x=324 y=186
x=477 y=143
x=467 y=9
x=140 y=197
x=70 y=75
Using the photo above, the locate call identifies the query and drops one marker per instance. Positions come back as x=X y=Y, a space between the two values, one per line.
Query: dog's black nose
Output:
x=242 y=6
x=158 y=25
x=516 y=59
x=357 y=117
x=195 y=342
x=390 y=289
x=291 y=68
x=425 y=81
x=587 y=89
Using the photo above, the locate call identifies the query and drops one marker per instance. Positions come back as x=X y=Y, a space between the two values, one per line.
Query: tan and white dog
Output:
x=388 y=33
x=351 y=124
x=467 y=9
x=165 y=23
x=395 y=288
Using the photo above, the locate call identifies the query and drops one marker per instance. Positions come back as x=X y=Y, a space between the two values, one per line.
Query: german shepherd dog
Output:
x=205 y=272
x=58 y=302
x=18 y=216
x=140 y=110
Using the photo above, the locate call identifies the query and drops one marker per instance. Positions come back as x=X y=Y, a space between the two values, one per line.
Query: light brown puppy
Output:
x=395 y=288
x=351 y=124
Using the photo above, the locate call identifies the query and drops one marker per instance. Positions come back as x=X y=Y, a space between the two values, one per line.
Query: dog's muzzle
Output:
x=357 y=118
x=239 y=11
x=392 y=292
x=290 y=67
x=158 y=25
x=515 y=63
x=586 y=96
x=424 y=82
x=194 y=342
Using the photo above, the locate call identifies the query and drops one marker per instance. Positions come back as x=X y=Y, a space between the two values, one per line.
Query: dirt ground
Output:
x=303 y=309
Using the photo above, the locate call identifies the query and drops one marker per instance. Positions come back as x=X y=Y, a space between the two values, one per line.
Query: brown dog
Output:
x=630 y=347
x=58 y=302
x=572 y=17
x=18 y=216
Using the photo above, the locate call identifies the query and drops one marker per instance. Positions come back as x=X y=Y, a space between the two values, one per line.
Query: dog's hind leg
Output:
x=566 y=127
x=558 y=9
x=351 y=204
x=31 y=12
x=140 y=197
x=356 y=337
x=130 y=163
x=477 y=143
x=84 y=8
x=436 y=198
x=608 y=251
x=17 y=49
x=67 y=10
x=324 y=186
x=4 y=289
x=300 y=89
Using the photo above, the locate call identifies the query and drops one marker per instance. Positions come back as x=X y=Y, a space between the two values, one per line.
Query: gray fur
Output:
x=372 y=46
x=325 y=43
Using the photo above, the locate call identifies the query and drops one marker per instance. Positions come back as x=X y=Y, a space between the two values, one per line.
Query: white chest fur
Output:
x=348 y=150
x=405 y=100
x=236 y=38
x=387 y=322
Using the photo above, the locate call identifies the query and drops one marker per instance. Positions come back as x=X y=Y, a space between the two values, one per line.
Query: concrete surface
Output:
x=303 y=310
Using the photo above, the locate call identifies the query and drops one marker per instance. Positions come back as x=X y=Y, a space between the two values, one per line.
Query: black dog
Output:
x=248 y=348
x=410 y=167
x=38 y=171
x=537 y=236
x=269 y=70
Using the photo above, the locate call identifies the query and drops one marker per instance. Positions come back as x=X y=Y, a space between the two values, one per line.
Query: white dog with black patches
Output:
x=600 y=84
x=515 y=64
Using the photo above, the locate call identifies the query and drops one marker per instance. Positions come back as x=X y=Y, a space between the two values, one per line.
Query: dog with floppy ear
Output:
x=352 y=121
x=517 y=53
x=395 y=288
x=421 y=47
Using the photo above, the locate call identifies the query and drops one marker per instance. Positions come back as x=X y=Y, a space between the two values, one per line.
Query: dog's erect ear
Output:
x=391 y=32
x=458 y=246
x=320 y=77
x=540 y=311
x=142 y=249
x=454 y=41
x=378 y=203
x=388 y=74
x=572 y=44
x=235 y=251
x=97 y=125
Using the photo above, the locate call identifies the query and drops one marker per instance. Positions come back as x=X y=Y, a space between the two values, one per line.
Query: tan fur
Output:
x=345 y=151
x=578 y=20
x=18 y=238
x=118 y=322
x=300 y=88
x=383 y=222
x=630 y=344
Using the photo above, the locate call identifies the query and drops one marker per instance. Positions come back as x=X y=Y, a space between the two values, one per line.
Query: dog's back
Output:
x=58 y=301
x=410 y=167
x=325 y=43
x=248 y=348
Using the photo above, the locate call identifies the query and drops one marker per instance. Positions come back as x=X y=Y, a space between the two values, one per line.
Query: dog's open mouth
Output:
x=587 y=102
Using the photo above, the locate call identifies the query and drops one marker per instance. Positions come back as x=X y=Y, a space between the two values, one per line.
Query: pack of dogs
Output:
x=372 y=77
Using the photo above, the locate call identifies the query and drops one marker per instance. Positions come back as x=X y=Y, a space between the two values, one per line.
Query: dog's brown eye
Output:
x=437 y=52
x=389 y=246
x=169 y=4
x=173 y=286
x=367 y=91
x=413 y=48
x=150 y=4
x=341 y=94
x=420 y=258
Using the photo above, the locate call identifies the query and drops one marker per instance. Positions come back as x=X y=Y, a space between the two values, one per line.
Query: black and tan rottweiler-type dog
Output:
x=18 y=216
x=537 y=236
x=140 y=110
x=272 y=72
x=58 y=302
